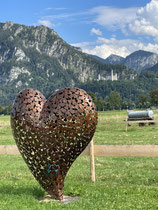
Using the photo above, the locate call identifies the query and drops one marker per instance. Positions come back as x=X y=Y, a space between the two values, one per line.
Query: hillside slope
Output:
x=138 y=60
x=36 y=57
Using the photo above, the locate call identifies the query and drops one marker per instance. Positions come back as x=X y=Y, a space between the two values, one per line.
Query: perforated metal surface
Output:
x=51 y=134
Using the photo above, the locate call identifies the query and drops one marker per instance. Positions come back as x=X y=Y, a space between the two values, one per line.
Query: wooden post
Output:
x=126 y=124
x=92 y=161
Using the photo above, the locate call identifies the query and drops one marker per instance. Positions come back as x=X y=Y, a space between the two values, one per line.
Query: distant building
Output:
x=111 y=77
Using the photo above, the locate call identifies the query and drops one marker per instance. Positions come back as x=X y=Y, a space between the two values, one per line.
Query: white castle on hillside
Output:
x=111 y=77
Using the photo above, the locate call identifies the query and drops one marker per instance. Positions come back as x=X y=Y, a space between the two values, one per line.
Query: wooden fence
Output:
x=118 y=150
x=100 y=150
x=104 y=150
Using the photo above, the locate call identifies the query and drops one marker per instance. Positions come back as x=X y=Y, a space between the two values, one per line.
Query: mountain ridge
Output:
x=138 y=60
x=37 y=57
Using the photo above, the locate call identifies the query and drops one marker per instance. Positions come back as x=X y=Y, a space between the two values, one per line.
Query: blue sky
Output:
x=99 y=27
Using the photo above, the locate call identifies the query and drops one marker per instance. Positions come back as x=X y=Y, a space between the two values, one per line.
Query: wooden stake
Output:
x=92 y=161
x=126 y=124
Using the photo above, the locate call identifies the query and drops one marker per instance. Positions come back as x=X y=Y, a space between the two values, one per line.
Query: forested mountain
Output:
x=114 y=59
x=130 y=90
x=153 y=68
x=141 y=60
x=138 y=60
x=36 y=57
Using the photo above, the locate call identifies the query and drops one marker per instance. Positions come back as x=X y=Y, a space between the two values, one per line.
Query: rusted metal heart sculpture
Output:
x=51 y=134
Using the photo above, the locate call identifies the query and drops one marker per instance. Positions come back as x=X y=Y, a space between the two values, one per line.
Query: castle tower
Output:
x=112 y=75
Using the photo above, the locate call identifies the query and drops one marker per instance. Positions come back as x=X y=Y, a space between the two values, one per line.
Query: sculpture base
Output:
x=66 y=199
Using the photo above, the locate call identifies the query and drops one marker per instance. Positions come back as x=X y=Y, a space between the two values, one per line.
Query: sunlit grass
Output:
x=121 y=182
x=109 y=130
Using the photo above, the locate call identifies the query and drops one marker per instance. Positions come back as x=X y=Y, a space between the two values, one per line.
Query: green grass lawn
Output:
x=116 y=133
x=6 y=137
x=126 y=183
x=122 y=183
x=105 y=133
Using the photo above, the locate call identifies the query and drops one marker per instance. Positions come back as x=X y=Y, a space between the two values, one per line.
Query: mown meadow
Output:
x=121 y=182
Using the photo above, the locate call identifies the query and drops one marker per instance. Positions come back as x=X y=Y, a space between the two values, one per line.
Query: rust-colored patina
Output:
x=51 y=134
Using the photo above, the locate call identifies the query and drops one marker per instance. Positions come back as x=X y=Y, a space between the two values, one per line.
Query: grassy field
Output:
x=6 y=137
x=105 y=133
x=116 y=134
x=122 y=183
x=126 y=183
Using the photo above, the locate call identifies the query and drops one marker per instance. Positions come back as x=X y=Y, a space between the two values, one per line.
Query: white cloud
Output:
x=55 y=8
x=96 y=31
x=60 y=8
x=45 y=23
x=146 y=22
x=139 y=21
x=68 y=16
x=48 y=8
x=113 y=17
x=105 y=47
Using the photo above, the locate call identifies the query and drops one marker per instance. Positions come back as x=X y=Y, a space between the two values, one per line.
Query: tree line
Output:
x=5 y=110
x=113 y=101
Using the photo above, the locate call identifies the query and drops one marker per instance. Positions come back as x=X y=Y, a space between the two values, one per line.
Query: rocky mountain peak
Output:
x=138 y=60
x=141 y=60
x=114 y=59
x=8 y=25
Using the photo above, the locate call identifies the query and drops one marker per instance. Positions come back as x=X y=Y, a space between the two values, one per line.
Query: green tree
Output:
x=1 y=109
x=93 y=96
x=142 y=100
x=7 y=110
x=100 y=104
x=154 y=97
x=114 y=100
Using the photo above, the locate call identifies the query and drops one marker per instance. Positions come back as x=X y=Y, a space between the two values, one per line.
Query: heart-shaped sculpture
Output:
x=51 y=134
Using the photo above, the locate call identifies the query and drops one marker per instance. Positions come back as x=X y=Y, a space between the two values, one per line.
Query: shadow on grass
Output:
x=12 y=190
